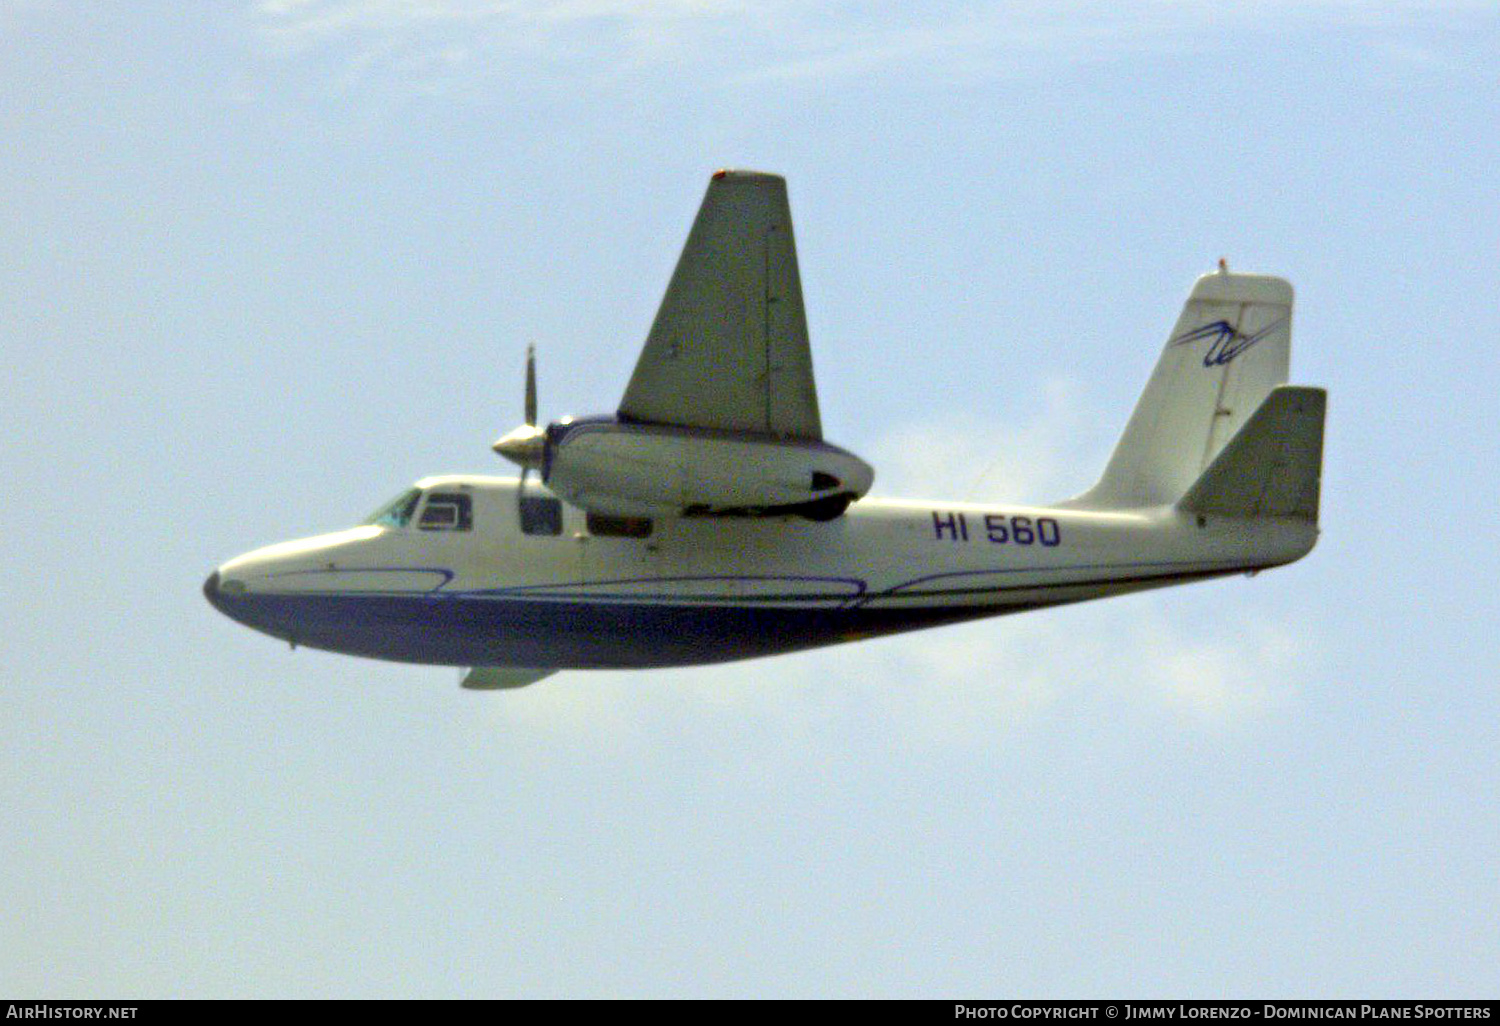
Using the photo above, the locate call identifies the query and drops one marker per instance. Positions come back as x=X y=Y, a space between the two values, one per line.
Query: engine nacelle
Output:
x=626 y=469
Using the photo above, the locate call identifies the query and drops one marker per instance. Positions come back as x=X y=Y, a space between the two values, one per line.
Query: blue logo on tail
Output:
x=1227 y=342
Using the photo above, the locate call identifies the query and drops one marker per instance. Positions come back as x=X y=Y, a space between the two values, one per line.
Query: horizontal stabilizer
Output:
x=497 y=678
x=1273 y=466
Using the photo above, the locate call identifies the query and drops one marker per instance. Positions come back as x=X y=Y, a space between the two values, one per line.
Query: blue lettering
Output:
x=1048 y=531
x=1020 y=530
x=994 y=526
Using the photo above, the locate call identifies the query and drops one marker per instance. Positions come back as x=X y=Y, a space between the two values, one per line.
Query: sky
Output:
x=264 y=263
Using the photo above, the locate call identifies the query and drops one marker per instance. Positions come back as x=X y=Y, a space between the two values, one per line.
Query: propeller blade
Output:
x=525 y=446
x=531 y=385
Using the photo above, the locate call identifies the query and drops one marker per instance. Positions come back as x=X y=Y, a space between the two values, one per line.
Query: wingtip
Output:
x=731 y=174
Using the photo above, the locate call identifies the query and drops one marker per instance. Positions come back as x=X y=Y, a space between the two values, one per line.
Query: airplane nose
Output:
x=211 y=589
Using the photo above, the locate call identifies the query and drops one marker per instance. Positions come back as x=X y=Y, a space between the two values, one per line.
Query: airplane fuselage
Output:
x=576 y=593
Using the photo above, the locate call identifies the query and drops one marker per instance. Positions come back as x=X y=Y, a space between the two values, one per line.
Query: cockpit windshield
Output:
x=397 y=512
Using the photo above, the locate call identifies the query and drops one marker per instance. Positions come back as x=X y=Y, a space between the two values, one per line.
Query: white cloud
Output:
x=11 y=11
x=792 y=38
x=1044 y=457
x=422 y=40
x=1242 y=666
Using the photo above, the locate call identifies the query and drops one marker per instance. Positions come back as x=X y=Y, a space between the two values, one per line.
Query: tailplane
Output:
x=1230 y=348
x=1274 y=465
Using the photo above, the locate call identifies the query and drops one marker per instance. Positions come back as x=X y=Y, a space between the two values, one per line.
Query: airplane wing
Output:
x=728 y=348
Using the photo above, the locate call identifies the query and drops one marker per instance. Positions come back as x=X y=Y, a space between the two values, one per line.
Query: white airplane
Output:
x=707 y=520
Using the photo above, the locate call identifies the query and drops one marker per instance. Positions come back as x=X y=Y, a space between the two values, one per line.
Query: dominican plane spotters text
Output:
x=707 y=519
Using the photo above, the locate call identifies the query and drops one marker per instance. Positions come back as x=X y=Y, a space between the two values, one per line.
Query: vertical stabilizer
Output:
x=1230 y=347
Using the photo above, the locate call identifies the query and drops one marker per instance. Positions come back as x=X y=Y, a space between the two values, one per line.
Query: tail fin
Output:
x=1273 y=467
x=1230 y=348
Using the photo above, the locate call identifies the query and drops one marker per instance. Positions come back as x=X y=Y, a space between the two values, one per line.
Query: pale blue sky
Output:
x=261 y=264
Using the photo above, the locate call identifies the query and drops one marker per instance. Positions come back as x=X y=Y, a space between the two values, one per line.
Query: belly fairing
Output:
x=610 y=630
x=474 y=630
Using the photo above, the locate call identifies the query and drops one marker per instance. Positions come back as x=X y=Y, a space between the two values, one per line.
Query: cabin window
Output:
x=541 y=515
x=447 y=511
x=397 y=512
x=619 y=527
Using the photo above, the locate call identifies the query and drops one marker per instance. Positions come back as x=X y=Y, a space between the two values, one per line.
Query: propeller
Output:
x=526 y=445
x=531 y=385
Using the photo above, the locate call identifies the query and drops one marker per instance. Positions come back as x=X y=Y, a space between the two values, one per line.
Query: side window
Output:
x=447 y=511
x=619 y=527
x=541 y=515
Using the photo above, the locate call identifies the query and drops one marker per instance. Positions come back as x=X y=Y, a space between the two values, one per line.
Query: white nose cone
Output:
x=523 y=446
